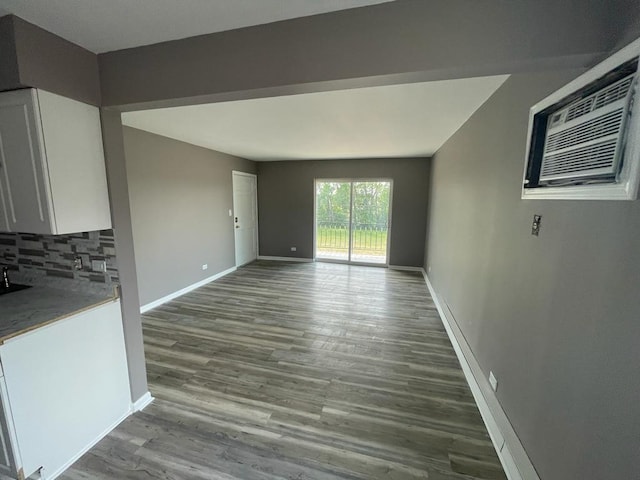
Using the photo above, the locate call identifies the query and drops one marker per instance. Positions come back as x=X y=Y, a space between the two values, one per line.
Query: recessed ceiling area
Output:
x=407 y=120
x=107 y=25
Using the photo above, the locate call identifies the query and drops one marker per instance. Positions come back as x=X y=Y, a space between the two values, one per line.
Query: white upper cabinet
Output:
x=52 y=170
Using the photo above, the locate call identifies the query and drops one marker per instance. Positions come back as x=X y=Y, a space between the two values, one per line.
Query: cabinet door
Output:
x=68 y=385
x=8 y=460
x=24 y=191
x=73 y=139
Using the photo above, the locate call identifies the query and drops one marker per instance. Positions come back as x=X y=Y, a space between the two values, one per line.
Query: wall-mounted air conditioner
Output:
x=584 y=139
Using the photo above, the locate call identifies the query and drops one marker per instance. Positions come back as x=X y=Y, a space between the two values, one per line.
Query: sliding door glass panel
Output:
x=333 y=220
x=370 y=222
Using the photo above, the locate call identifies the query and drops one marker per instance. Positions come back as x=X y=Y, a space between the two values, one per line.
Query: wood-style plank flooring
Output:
x=300 y=371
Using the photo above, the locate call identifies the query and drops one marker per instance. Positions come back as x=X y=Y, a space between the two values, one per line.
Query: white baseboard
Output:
x=514 y=458
x=88 y=447
x=142 y=402
x=171 y=296
x=409 y=269
x=285 y=259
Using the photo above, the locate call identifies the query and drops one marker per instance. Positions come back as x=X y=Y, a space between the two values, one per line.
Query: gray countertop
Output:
x=41 y=305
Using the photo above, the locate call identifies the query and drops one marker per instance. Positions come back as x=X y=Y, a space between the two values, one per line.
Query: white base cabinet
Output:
x=52 y=169
x=9 y=457
x=67 y=386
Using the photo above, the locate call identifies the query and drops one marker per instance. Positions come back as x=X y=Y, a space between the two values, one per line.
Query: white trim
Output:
x=88 y=447
x=171 y=296
x=403 y=267
x=285 y=259
x=351 y=263
x=512 y=454
x=142 y=402
x=617 y=191
x=255 y=201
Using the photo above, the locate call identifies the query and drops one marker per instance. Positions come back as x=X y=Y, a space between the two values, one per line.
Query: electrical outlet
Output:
x=205 y=266
x=98 y=265
x=535 y=225
x=77 y=263
x=493 y=381
x=294 y=249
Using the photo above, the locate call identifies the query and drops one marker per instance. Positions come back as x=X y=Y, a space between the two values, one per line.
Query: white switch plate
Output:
x=294 y=249
x=493 y=381
x=205 y=266
x=230 y=213
x=98 y=265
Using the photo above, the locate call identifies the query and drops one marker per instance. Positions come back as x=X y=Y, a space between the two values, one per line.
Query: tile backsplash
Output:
x=54 y=255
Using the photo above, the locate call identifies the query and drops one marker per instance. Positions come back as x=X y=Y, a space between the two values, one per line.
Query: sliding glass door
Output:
x=352 y=220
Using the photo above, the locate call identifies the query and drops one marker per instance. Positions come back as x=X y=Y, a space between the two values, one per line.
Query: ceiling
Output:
x=106 y=25
x=390 y=121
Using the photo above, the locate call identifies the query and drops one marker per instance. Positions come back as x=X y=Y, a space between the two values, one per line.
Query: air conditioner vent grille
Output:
x=615 y=92
x=579 y=109
x=611 y=94
x=608 y=124
x=583 y=161
x=584 y=138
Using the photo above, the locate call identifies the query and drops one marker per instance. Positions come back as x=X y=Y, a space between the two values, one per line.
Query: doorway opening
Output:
x=352 y=220
x=245 y=220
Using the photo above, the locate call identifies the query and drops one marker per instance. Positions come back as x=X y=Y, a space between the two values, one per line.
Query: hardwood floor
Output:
x=300 y=371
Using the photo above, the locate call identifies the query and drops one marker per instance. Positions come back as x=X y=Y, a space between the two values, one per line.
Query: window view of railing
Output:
x=368 y=238
x=366 y=205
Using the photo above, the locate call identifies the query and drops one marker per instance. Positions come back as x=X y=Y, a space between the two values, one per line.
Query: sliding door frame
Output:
x=351 y=181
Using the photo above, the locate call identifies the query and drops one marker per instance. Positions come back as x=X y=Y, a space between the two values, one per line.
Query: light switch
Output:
x=493 y=381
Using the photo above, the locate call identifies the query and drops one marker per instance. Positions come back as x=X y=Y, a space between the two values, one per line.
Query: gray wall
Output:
x=180 y=198
x=387 y=43
x=33 y=57
x=555 y=317
x=116 y=167
x=286 y=198
x=9 y=74
x=54 y=64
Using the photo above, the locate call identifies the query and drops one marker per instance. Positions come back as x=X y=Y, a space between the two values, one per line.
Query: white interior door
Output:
x=245 y=217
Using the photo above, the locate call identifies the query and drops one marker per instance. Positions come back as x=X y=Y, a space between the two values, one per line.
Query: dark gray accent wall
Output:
x=44 y=60
x=286 y=203
x=555 y=317
x=394 y=42
x=180 y=198
x=632 y=30
x=9 y=75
